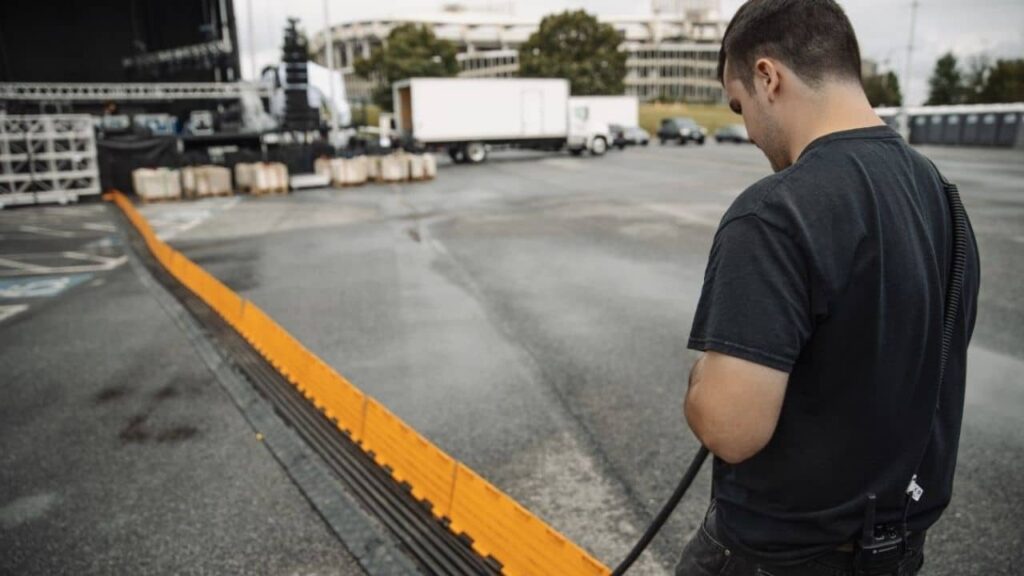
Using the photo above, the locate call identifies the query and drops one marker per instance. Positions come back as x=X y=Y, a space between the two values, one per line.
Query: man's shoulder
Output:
x=773 y=198
x=827 y=184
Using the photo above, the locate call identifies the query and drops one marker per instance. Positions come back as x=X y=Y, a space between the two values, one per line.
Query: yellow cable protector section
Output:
x=497 y=525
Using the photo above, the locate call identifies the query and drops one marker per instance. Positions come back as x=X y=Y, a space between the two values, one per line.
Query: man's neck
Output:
x=836 y=108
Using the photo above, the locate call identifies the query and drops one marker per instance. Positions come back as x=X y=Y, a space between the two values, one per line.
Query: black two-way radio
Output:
x=878 y=546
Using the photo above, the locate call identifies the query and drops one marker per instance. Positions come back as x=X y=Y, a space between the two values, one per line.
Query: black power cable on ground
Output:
x=666 y=511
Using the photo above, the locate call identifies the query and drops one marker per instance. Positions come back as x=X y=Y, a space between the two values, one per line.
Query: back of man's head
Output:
x=814 y=38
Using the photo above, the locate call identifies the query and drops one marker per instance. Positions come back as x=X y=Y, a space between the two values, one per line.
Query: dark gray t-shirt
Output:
x=835 y=270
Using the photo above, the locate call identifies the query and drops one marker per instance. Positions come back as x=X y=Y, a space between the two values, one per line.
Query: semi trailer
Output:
x=468 y=116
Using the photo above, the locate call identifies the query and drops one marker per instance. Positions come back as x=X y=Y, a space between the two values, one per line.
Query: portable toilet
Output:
x=936 y=123
x=951 y=134
x=919 y=130
x=970 y=131
x=1009 y=127
x=988 y=129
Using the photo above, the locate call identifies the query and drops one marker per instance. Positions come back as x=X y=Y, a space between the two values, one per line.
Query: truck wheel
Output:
x=457 y=154
x=476 y=152
x=599 y=146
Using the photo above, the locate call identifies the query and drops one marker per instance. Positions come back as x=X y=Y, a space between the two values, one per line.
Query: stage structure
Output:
x=47 y=159
x=118 y=41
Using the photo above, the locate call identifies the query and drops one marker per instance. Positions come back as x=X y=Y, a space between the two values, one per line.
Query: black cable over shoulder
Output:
x=954 y=295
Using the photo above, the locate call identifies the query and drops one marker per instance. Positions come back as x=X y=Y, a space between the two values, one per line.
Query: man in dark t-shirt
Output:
x=820 y=318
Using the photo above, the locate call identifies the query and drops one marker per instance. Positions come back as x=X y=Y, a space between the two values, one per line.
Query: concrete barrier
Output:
x=203 y=181
x=158 y=184
x=429 y=166
x=269 y=178
x=417 y=170
x=394 y=168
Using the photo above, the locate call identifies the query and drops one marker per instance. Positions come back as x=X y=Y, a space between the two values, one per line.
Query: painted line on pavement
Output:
x=43 y=231
x=7 y=311
x=33 y=268
x=21 y=268
x=44 y=287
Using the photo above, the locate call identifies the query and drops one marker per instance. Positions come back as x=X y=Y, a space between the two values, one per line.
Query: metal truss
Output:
x=47 y=158
x=141 y=91
x=206 y=50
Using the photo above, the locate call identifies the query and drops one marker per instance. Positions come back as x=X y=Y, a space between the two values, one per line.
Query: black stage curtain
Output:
x=118 y=156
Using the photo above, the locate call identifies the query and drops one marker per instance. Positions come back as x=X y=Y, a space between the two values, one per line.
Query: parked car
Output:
x=681 y=130
x=623 y=136
x=732 y=133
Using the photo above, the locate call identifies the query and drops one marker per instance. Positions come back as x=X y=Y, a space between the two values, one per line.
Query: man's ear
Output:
x=766 y=78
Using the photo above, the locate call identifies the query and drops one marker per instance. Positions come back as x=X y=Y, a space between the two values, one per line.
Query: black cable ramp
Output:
x=423 y=537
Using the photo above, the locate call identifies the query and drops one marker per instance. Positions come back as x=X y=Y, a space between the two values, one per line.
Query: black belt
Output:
x=915 y=541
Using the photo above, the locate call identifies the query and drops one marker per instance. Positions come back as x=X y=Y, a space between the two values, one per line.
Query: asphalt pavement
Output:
x=530 y=316
x=120 y=453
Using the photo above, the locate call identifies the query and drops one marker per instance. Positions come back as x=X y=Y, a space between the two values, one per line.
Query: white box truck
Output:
x=467 y=116
x=591 y=113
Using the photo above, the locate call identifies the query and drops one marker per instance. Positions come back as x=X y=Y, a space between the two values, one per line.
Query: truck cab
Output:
x=586 y=131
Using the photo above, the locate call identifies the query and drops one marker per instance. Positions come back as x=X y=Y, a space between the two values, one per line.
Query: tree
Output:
x=410 y=51
x=883 y=89
x=1005 y=82
x=978 y=71
x=946 y=84
x=574 y=45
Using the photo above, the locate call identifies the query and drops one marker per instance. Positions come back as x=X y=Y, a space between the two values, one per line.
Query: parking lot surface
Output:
x=530 y=316
x=119 y=451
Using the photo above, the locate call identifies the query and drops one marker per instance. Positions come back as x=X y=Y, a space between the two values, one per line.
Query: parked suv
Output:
x=681 y=130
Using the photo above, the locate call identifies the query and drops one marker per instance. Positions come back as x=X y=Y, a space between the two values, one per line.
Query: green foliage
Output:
x=411 y=51
x=883 y=89
x=975 y=79
x=574 y=45
x=946 y=84
x=983 y=83
x=1004 y=82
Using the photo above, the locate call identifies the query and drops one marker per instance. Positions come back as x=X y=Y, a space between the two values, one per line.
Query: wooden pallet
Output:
x=220 y=194
x=267 y=191
x=158 y=200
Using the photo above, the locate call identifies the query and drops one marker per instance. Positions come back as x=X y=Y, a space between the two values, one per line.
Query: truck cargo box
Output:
x=448 y=110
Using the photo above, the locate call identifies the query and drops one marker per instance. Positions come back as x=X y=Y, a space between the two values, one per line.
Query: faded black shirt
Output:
x=835 y=270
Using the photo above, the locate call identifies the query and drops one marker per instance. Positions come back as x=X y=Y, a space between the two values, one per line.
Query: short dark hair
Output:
x=813 y=37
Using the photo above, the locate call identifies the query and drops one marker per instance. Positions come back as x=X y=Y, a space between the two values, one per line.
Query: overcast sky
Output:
x=967 y=27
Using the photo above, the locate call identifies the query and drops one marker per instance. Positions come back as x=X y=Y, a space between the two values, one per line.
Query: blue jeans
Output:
x=705 y=555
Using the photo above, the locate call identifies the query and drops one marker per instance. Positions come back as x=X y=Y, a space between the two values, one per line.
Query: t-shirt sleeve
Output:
x=755 y=302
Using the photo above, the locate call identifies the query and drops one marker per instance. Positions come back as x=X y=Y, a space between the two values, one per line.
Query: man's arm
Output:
x=733 y=405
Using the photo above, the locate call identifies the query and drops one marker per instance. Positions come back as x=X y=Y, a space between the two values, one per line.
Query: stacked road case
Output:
x=47 y=158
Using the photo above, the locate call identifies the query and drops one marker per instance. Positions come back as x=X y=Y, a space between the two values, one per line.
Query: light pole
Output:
x=332 y=137
x=904 y=118
x=252 y=51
